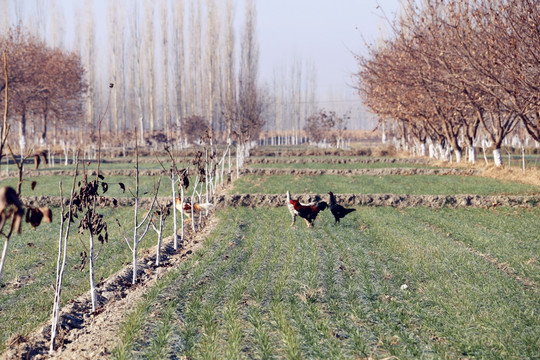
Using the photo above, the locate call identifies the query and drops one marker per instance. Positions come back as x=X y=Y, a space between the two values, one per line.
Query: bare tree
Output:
x=148 y=69
x=179 y=75
x=229 y=72
x=140 y=227
x=443 y=77
x=165 y=111
x=137 y=70
x=250 y=99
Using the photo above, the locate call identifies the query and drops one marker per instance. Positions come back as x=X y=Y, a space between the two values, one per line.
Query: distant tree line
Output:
x=173 y=63
x=457 y=74
x=46 y=86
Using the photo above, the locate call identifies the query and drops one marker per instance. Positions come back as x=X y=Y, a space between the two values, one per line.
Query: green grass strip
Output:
x=345 y=165
x=413 y=185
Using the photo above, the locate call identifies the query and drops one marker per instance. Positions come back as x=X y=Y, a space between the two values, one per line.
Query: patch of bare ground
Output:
x=83 y=335
x=531 y=176
x=276 y=200
x=398 y=201
x=373 y=172
x=285 y=152
x=338 y=160
x=115 y=172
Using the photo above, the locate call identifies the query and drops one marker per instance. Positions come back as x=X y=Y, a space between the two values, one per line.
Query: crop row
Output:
x=387 y=282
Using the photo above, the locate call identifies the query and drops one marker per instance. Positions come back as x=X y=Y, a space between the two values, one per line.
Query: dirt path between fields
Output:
x=277 y=200
x=399 y=201
x=336 y=160
x=272 y=171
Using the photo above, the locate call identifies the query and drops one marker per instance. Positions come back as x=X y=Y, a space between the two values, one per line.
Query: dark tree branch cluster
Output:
x=458 y=69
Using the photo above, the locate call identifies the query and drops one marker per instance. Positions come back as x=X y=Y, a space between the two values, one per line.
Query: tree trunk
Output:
x=423 y=149
x=93 y=293
x=135 y=240
x=3 y=260
x=160 y=237
x=175 y=222
x=22 y=134
x=181 y=212
x=497 y=157
x=458 y=155
x=44 y=131
x=472 y=154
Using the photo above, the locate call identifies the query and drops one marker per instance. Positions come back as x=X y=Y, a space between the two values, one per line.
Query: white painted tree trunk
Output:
x=423 y=149
x=93 y=292
x=175 y=222
x=472 y=154
x=3 y=261
x=60 y=267
x=497 y=157
x=458 y=155
x=181 y=212
x=65 y=147
x=135 y=242
x=432 y=151
x=159 y=232
x=523 y=157
x=22 y=143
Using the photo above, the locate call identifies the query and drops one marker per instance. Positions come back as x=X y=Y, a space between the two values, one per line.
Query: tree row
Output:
x=457 y=74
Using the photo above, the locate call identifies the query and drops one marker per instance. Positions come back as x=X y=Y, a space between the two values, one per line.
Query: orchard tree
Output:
x=458 y=69
x=43 y=82
x=326 y=125
x=194 y=128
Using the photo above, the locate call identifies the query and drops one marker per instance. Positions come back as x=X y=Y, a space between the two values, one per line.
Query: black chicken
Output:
x=337 y=210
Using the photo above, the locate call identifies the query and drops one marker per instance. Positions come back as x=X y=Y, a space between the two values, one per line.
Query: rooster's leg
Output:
x=308 y=223
x=293 y=220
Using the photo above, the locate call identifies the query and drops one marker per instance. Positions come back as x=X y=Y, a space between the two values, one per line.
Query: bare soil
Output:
x=285 y=152
x=271 y=171
x=336 y=160
x=372 y=172
x=398 y=201
x=277 y=200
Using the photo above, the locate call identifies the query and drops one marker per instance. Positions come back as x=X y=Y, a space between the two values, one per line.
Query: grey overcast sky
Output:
x=324 y=33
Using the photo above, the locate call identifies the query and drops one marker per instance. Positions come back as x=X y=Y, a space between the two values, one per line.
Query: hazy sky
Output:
x=322 y=32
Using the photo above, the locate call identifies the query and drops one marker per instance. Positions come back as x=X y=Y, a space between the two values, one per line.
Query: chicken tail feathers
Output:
x=204 y=206
x=322 y=205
